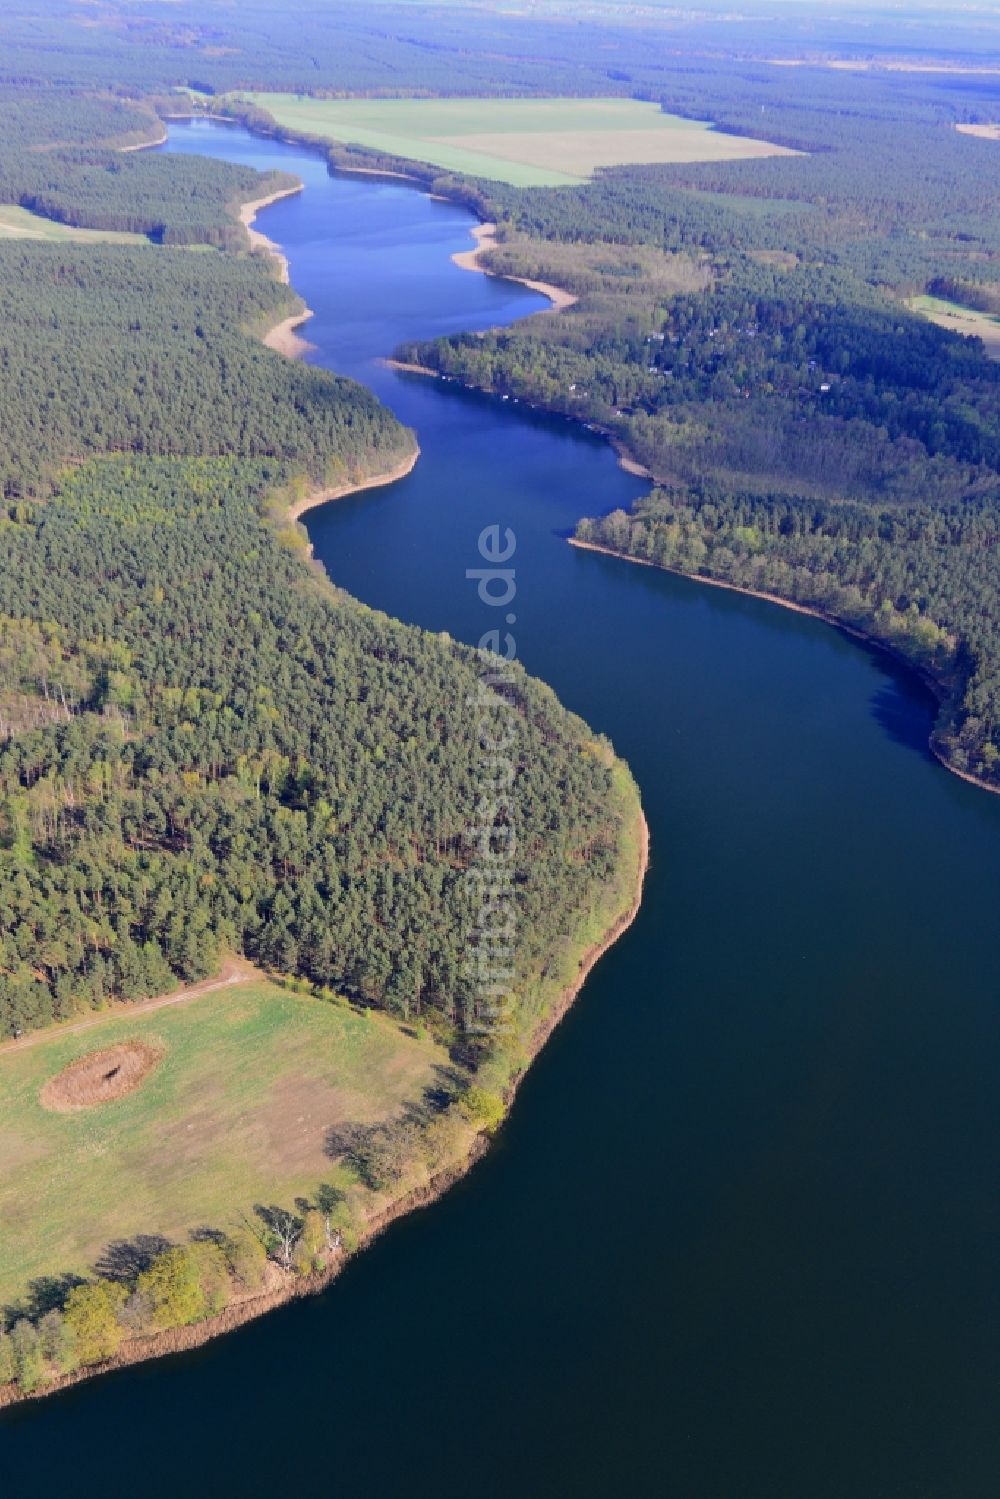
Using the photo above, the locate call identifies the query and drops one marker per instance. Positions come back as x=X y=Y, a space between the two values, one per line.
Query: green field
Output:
x=235 y=1114
x=526 y=142
x=20 y=223
x=961 y=320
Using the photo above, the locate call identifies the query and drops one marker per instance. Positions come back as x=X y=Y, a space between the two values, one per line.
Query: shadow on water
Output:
x=906 y=710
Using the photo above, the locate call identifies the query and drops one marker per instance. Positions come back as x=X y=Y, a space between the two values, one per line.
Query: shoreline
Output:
x=285 y=1287
x=148 y=145
x=626 y=462
x=281 y=1287
x=935 y=687
x=284 y=337
x=249 y=210
x=335 y=166
x=593 y=955
x=485 y=235
x=327 y=493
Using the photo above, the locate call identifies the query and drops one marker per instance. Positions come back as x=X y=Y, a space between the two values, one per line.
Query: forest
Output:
x=143 y=350
x=204 y=747
x=65 y=155
x=215 y=752
x=404 y=46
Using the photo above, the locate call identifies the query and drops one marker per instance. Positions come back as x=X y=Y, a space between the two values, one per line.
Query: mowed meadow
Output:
x=249 y=1082
x=524 y=142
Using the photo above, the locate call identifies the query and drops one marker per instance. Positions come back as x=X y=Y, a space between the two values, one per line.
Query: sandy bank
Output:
x=337 y=166
x=983 y=132
x=340 y=491
x=284 y=337
x=630 y=465
x=147 y=145
x=258 y=241
x=485 y=236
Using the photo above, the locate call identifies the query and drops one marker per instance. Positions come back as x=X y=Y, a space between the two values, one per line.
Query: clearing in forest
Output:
x=961 y=319
x=526 y=142
x=227 y=1103
x=20 y=223
x=984 y=132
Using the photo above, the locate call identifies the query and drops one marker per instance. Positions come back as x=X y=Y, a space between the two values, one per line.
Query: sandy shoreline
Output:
x=259 y=241
x=340 y=491
x=336 y=166
x=629 y=464
x=147 y=145
x=284 y=337
x=282 y=1287
x=485 y=236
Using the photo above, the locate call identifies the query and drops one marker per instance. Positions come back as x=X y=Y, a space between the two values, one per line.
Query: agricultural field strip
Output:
x=526 y=142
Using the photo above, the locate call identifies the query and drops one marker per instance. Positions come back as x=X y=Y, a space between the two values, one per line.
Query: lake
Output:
x=738 y=1238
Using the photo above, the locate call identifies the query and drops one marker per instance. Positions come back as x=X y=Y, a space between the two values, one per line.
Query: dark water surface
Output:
x=738 y=1238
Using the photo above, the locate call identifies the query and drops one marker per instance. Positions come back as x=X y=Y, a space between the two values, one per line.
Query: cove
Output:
x=738 y=1237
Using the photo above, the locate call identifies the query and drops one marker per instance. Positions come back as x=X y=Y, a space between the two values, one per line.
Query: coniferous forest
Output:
x=203 y=747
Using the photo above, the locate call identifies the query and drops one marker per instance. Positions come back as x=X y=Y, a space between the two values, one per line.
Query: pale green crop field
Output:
x=526 y=142
x=20 y=223
x=236 y=1113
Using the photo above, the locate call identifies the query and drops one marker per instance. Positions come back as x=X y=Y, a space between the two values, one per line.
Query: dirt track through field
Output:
x=236 y=971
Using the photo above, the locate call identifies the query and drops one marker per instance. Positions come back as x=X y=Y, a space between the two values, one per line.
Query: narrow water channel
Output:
x=738 y=1239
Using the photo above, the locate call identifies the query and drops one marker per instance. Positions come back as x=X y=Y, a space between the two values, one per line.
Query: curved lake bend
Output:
x=738 y=1238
